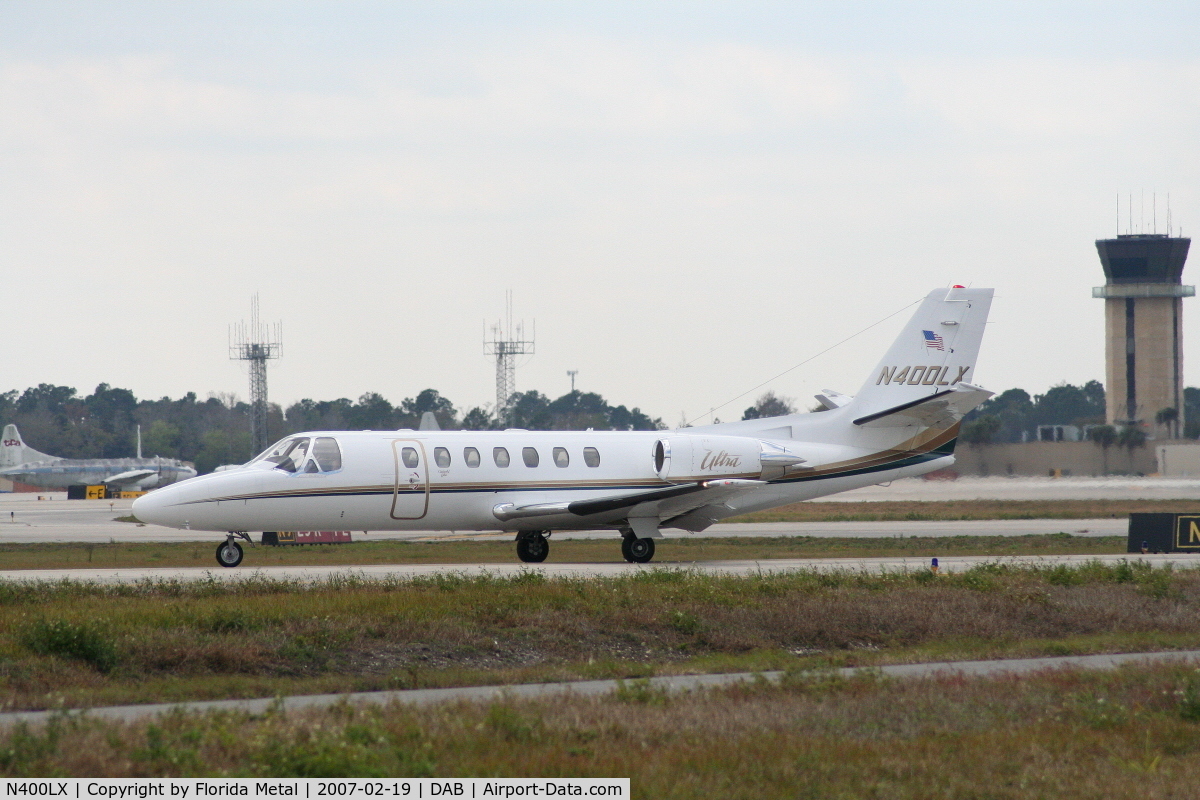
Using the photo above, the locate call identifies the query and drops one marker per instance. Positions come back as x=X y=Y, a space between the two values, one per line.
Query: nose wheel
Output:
x=229 y=552
x=532 y=547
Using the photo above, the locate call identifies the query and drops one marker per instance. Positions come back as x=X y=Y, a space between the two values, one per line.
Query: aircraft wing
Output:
x=129 y=477
x=673 y=501
x=940 y=410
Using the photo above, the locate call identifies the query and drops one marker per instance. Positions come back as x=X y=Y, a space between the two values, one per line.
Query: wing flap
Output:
x=671 y=501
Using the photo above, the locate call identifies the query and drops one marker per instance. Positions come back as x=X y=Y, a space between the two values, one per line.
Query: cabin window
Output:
x=530 y=455
x=327 y=454
x=410 y=458
x=591 y=456
x=471 y=457
x=561 y=459
x=441 y=457
x=500 y=456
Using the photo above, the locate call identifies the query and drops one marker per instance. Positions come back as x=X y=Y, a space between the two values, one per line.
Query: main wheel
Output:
x=533 y=549
x=640 y=550
x=229 y=554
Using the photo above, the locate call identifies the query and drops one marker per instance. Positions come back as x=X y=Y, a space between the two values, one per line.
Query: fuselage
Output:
x=59 y=473
x=456 y=480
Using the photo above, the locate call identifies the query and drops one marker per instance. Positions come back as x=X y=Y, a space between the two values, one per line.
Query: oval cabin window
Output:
x=591 y=456
x=410 y=458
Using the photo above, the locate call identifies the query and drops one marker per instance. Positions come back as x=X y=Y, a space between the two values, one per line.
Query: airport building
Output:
x=1143 y=304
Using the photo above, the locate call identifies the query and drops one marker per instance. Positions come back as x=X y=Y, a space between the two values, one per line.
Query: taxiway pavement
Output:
x=25 y=521
x=383 y=572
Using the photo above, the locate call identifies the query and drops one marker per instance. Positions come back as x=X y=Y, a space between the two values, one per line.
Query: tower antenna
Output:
x=508 y=341
x=256 y=344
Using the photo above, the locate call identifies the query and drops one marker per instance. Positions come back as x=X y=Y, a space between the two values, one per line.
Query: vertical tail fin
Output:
x=13 y=450
x=937 y=349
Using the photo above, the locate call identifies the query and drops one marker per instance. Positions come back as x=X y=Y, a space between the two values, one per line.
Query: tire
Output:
x=229 y=554
x=533 y=549
x=640 y=550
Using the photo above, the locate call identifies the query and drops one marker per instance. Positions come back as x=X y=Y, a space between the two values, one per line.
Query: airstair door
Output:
x=411 y=497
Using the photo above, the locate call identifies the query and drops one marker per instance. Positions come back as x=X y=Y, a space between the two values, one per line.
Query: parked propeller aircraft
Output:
x=903 y=422
x=20 y=462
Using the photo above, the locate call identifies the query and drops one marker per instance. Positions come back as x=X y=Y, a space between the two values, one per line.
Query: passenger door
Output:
x=410 y=500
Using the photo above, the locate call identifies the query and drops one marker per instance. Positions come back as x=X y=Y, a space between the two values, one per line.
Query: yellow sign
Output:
x=96 y=492
x=1187 y=533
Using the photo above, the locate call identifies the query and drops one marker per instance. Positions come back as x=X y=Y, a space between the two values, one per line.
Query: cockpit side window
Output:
x=327 y=454
x=287 y=455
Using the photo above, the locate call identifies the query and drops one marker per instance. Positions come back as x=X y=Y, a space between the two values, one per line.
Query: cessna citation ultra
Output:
x=903 y=422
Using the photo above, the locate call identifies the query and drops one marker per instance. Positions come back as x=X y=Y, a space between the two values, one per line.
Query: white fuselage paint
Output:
x=903 y=422
x=375 y=491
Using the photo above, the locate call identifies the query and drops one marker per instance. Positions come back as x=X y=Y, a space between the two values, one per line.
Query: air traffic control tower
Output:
x=1143 y=301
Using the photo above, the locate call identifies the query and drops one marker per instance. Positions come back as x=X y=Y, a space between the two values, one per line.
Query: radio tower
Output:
x=256 y=343
x=507 y=342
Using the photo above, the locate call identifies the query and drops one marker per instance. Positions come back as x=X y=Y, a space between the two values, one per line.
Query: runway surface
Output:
x=673 y=684
x=24 y=521
x=597 y=570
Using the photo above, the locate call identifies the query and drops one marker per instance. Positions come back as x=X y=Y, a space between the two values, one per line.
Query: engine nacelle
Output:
x=682 y=457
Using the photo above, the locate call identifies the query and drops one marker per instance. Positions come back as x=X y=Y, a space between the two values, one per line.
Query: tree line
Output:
x=1014 y=416
x=214 y=431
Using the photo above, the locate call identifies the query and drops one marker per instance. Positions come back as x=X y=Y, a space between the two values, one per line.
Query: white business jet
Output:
x=903 y=422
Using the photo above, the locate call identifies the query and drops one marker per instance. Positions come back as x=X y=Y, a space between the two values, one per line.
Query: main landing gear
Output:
x=635 y=550
x=532 y=547
x=229 y=552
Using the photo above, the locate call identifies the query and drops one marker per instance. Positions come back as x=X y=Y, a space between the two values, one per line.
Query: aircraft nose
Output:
x=152 y=508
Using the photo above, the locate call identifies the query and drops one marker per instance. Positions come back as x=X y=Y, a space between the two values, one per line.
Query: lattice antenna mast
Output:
x=256 y=344
x=507 y=342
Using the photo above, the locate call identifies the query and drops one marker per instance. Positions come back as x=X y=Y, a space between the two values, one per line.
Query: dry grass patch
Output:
x=168 y=641
x=1132 y=733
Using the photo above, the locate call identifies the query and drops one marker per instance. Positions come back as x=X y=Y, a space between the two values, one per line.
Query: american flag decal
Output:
x=933 y=341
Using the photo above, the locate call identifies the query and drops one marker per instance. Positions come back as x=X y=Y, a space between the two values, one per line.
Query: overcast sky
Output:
x=688 y=198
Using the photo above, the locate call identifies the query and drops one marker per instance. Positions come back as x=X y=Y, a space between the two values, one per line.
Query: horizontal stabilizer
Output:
x=940 y=410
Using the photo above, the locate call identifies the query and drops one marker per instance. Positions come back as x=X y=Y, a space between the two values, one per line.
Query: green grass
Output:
x=71 y=644
x=675 y=550
x=1130 y=733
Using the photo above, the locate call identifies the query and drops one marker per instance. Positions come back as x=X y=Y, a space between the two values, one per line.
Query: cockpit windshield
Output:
x=302 y=454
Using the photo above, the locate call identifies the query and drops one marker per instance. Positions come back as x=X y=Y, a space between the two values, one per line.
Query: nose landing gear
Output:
x=229 y=552
x=532 y=547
